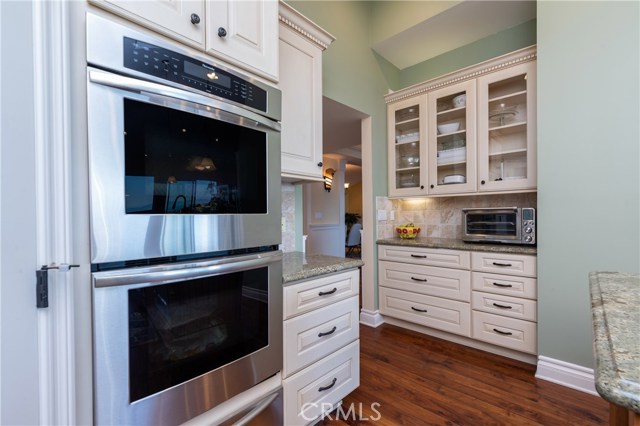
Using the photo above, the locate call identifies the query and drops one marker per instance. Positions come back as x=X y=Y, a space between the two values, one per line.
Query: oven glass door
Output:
x=184 y=337
x=493 y=224
x=177 y=173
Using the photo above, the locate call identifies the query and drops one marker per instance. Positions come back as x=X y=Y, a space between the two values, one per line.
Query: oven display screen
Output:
x=182 y=330
x=206 y=74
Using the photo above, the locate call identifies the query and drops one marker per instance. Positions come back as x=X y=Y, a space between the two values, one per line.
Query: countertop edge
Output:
x=300 y=266
x=456 y=244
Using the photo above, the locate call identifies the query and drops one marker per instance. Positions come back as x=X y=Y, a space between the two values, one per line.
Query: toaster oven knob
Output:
x=528 y=238
x=528 y=230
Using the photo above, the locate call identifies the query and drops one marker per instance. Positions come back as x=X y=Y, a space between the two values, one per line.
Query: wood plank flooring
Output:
x=408 y=378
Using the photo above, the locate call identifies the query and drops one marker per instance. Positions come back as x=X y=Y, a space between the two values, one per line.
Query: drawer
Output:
x=309 y=393
x=314 y=335
x=502 y=331
x=498 y=304
x=500 y=263
x=426 y=256
x=508 y=285
x=435 y=312
x=308 y=295
x=429 y=280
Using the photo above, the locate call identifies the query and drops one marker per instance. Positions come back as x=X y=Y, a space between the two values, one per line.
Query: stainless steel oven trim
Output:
x=103 y=32
x=186 y=400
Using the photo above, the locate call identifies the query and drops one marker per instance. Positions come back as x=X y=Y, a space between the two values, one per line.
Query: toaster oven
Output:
x=505 y=225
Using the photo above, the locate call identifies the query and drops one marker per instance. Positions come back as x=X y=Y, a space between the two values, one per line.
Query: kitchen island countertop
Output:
x=300 y=266
x=615 y=307
x=456 y=244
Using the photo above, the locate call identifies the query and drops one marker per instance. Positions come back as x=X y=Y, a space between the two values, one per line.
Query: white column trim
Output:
x=371 y=318
x=53 y=205
x=566 y=374
x=368 y=245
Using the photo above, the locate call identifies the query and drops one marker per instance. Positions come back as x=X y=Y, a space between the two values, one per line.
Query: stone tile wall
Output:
x=288 y=217
x=441 y=217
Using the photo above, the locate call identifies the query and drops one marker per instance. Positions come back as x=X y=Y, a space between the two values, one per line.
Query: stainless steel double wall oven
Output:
x=184 y=162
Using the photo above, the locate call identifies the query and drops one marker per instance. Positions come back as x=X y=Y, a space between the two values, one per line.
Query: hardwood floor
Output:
x=407 y=378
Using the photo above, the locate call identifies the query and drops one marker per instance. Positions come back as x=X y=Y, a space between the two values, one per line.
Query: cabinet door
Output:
x=301 y=86
x=407 y=147
x=507 y=129
x=451 y=136
x=173 y=18
x=245 y=33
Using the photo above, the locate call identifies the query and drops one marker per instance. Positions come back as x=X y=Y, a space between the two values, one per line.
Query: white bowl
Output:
x=460 y=101
x=448 y=128
x=454 y=179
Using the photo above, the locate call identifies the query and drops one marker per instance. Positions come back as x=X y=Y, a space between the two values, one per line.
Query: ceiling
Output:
x=461 y=24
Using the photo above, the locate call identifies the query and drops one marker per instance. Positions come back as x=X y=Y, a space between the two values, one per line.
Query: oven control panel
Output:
x=168 y=65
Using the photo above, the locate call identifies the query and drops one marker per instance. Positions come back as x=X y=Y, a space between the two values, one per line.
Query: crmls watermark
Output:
x=350 y=412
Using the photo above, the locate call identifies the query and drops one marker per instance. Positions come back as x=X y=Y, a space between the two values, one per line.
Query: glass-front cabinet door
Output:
x=452 y=139
x=507 y=129
x=407 y=147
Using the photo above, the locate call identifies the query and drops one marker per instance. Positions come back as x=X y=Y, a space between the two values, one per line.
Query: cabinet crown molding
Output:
x=301 y=24
x=520 y=56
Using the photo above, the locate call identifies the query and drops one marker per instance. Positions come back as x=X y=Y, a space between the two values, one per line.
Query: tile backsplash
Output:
x=440 y=217
x=288 y=217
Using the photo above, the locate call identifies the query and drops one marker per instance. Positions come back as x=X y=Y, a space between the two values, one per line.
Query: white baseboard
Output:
x=566 y=374
x=371 y=318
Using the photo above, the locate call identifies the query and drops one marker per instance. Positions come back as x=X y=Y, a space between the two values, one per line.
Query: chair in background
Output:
x=353 y=240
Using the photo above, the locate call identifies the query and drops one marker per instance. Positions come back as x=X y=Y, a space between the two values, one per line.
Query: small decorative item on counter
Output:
x=407 y=231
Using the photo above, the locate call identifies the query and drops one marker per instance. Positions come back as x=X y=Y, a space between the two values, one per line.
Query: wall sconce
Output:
x=346 y=185
x=328 y=179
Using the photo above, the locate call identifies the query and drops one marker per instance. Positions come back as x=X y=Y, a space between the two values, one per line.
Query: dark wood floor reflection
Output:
x=407 y=378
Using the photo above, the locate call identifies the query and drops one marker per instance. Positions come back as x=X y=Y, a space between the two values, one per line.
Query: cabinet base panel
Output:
x=528 y=358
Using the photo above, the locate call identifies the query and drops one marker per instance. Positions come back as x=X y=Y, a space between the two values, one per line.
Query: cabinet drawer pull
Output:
x=504 y=333
x=503 y=285
x=419 y=256
x=324 y=388
x=324 y=293
x=418 y=310
x=328 y=332
x=422 y=280
x=502 y=264
x=502 y=306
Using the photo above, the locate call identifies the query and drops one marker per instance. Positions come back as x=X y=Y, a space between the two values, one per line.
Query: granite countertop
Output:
x=299 y=266
x=455 y=244
x=615 y=306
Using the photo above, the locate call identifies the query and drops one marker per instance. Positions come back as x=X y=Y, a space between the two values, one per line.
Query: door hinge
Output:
x=42 y=282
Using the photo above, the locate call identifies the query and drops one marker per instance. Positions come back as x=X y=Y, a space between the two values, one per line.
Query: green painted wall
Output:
x=588 y=162
x=489 y=47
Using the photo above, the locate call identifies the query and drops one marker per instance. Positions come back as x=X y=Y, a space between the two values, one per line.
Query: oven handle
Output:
x=135 y=85
x=182 y=271
x=257 y=410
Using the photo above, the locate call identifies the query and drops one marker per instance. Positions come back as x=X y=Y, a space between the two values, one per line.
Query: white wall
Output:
x=588 y=162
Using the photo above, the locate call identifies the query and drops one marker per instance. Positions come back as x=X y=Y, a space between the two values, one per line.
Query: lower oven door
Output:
x=173 y=341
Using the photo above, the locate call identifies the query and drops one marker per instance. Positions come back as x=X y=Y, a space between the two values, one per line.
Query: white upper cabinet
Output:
x=507 y=129
x=243 y=33
x=301 y=46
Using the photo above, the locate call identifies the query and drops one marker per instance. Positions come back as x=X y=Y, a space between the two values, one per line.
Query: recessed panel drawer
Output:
x=501 y=263
x=435 y=312
x=502 y=331
x=513 y=307
x=509 y=285
x=429 y=280
x=308 y=295
x=314 y=335
x=424 y=256
x=309 y=393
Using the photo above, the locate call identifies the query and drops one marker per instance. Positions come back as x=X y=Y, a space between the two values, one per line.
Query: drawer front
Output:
x=429 y=280
x=502 y=331
x=311 y=392
x=500 y=263
x=312 y=336
x=435 y=312
x=508 y=285
x=498 y=304
x=309 y=295
x=425 y=256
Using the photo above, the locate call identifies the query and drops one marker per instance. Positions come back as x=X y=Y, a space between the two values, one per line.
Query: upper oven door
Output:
x=174 y=172
x=498 y=224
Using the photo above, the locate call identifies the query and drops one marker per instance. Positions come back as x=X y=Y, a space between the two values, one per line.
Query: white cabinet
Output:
x=301 y=47
x=321 y=345
x=241 y=32
x=486 y=297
